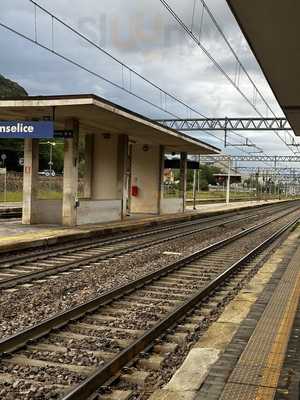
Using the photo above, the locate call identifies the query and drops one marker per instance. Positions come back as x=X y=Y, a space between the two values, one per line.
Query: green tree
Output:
x=57 y=155
x=206 y=176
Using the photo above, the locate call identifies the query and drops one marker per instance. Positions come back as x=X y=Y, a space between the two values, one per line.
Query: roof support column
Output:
x=122 y=163
x=183 y=179
x=161 y=171
x=70 y=186
x=30 y=179
x=89 y=150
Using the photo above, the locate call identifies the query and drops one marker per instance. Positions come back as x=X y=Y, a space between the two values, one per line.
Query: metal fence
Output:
x=48 y=187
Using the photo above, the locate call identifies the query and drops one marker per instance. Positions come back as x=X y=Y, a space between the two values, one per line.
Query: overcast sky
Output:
x=143 y=35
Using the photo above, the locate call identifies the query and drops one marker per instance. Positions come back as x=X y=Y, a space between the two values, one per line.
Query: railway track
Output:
x=73 y=354
x=8 y=213
x=30 y=266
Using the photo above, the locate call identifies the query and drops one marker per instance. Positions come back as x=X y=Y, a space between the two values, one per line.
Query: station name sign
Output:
x=26 y=129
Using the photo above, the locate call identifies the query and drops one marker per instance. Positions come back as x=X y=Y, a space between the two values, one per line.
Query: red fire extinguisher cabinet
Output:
x=134 y=191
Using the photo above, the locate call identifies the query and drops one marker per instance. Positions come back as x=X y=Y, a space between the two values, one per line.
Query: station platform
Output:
x=9 y=205
x=252 y=351
x=257 y=372
x=15 y=236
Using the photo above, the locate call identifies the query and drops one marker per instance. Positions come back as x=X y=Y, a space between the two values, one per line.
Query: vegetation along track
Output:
x=74 y=353
x=25 y=267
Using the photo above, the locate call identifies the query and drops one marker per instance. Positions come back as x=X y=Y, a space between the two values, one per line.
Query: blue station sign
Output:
x=26 y=129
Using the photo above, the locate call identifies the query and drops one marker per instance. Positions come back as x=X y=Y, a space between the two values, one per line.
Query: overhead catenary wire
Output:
x=132 y=71
x=76 y=64
x=101 y=49
x=79 y=65
x=206 y=52
x=257 y=92
x=217 y=65
x=193 y=16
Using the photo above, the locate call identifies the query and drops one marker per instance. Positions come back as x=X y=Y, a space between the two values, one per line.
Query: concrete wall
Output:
x=70 y=183
x=30 y=181
x=171 y=206
x=105 y=175
x=48 y=211
x=146 y=176
x=98 y=211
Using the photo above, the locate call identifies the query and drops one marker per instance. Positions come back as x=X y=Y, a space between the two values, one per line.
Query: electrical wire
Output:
x=77 y=64
x=241 y=66
x=217 y=65
x=123 y=65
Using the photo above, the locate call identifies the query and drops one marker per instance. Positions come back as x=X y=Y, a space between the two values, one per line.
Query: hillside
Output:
x=12 y=148
x=9 y=88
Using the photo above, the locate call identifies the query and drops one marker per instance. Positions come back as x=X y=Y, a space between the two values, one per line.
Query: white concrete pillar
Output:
x=89 y=149
x=183 y=179
x=122 y=166
x=30 y=180
x=228 y=182
x=146 y=173
x=70 y=186
x=104 y=182
x=161 y=171
x=194 y=189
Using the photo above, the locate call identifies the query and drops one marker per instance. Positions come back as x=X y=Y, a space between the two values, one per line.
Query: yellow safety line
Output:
x=31 y=235
x=277 y=353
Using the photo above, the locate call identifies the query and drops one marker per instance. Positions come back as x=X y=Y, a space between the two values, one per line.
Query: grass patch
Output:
x=50 y=195
x=12 y=197
x=205 y=195
x=15 y=197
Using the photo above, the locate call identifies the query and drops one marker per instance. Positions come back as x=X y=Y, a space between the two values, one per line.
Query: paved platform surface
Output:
x=14 y=235
x=10 y=205
x=288 y=387
x=247 y=354
x=257 y=371
x=213 y=358
x=231 y=206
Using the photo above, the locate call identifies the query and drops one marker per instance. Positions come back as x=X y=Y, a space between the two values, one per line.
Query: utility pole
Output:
x=194 y=188
x=50 y=161
x=279 y=190
x=256 y=183
x=228 y=182
x=3 y=171
x=198 y=175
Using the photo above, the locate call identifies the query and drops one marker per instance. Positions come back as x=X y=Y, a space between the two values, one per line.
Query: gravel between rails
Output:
x=29 y=305
x=38 y=370
x=173 y=360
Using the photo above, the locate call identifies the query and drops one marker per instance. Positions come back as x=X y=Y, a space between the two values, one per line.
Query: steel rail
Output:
x=47 y=271
x=115 y=239
x=8 y=214
x=100 y=377
x=104 y=374
x=9 y=261
x=20 y=339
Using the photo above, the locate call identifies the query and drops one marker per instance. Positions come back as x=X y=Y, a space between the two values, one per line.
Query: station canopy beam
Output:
x=230 y=124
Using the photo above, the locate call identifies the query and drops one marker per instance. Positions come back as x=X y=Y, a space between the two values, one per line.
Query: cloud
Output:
x=144 y=35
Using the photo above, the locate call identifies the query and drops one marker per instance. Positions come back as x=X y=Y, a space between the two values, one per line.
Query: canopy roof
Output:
x=99 y=116
x=272 y=29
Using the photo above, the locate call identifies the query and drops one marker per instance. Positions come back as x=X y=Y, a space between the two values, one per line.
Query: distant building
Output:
x=221 y=179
